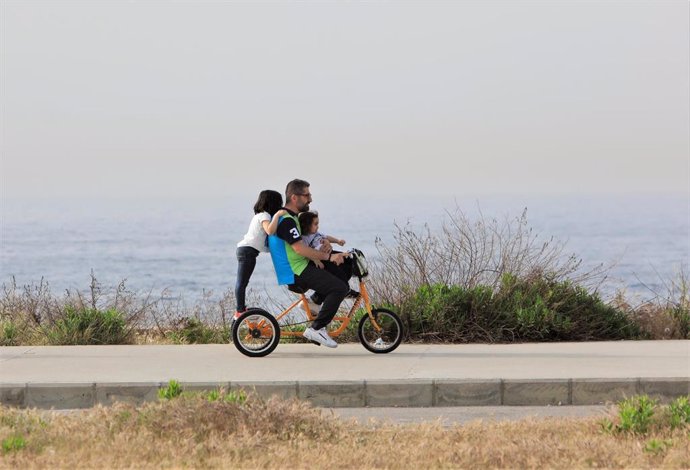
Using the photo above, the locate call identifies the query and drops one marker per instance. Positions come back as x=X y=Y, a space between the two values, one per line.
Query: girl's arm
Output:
x=337 y=241
x=271 y=227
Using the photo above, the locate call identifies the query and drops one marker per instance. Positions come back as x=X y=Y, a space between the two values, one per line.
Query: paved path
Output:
x=413 y=375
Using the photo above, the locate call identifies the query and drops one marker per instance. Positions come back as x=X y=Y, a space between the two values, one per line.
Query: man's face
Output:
x=303 y=200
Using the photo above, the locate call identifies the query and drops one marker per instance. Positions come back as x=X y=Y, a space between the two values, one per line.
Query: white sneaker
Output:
x=320 y=336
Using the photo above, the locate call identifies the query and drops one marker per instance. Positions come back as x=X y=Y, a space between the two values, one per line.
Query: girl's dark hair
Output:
x=305 y=220
x=269 y=201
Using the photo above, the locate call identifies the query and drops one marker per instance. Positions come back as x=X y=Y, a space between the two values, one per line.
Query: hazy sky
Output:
x=215 y=99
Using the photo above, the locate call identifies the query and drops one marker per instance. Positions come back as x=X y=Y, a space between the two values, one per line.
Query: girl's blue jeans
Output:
x=246 y=261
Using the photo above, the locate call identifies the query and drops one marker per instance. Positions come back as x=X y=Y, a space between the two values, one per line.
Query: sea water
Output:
x=187 y=248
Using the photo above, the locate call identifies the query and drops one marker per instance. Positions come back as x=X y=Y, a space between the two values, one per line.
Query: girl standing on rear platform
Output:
x=267 y=213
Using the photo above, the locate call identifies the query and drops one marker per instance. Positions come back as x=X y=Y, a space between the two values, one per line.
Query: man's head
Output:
x=297 y=196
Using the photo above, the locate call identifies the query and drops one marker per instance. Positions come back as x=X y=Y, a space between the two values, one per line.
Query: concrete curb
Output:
x=363 y=393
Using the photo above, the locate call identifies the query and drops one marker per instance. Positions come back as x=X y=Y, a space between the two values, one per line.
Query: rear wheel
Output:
x=256 y=333
x=386 y=337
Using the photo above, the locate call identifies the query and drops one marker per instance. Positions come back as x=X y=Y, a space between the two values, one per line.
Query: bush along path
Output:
x=518 y=310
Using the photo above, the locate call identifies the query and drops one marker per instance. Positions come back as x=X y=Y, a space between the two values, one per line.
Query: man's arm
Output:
x=288 y=232
x=316 y=255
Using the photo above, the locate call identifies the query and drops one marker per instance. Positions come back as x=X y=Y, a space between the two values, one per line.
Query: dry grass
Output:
x=667 y=315
x=193 y=432
x=655 y=321
x=30 y=313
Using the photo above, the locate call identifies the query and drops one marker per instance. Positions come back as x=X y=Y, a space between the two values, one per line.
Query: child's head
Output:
x=309 y=222
x=269 y=201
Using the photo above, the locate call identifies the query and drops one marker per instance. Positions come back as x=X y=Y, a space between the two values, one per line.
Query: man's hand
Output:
x=339 y=258
x=318 y=264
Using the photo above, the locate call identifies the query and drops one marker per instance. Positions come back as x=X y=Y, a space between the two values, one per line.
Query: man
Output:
x=296 y=263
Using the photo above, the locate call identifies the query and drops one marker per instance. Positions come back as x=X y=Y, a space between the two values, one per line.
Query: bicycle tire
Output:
x=256 y=333
x=386 y=340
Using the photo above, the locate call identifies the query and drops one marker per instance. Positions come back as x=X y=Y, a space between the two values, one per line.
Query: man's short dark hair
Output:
x=297 y=187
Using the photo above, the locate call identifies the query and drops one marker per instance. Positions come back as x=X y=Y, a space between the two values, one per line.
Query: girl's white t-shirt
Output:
x=256 y=235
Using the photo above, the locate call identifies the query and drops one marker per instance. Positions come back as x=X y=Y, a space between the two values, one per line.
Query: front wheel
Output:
x=256 y=333
x=388 y=335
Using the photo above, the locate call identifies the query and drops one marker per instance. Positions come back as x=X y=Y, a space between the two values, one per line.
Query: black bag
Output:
x=360 y=268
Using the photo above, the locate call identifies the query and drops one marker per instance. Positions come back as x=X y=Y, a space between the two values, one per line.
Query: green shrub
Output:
x=235 y=396
x=13 y=444
x=679 y=412
x=441 y=312
x=192 y=331
x=89 y=326
x=519 y=310
x=175 y=390
x=545 y=310
x=658 y=446
x=172 y=390
x=9 y=333
x=636 y=414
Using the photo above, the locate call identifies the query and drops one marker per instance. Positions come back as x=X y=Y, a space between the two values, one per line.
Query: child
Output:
x=267 y=213
x=309 y=225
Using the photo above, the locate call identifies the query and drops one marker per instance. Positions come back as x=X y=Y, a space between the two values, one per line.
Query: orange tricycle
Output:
x=256 y=332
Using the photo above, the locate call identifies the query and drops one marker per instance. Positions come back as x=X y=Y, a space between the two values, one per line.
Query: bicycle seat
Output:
x=295 y=288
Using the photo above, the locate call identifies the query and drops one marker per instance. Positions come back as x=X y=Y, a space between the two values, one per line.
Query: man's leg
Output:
x=327 y=285
x=343 y=271
x=317 y=297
